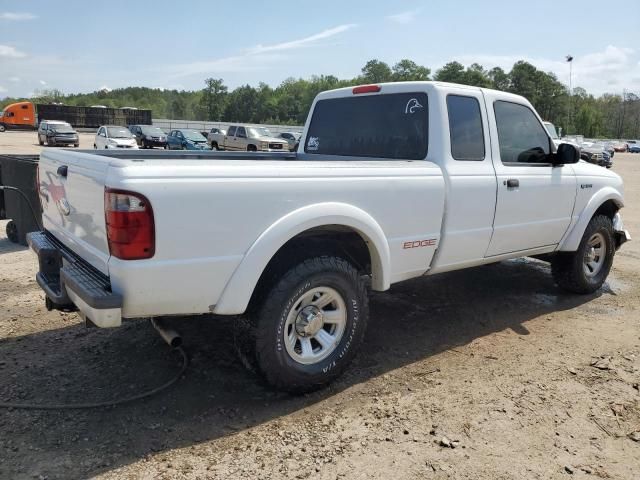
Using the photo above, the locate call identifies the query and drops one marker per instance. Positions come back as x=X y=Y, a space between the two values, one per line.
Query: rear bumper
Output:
x=68 y=281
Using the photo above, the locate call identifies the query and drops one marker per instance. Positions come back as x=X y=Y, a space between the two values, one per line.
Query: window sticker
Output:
x=313 y=144
x=412 y=106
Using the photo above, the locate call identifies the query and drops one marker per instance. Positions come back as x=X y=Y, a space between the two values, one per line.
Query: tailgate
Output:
x=72 y=194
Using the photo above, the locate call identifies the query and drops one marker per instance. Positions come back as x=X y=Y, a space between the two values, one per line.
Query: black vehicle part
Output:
x=22 y=205
x=60 y=267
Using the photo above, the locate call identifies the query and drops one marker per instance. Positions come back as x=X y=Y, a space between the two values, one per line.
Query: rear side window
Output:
x=387 y=126
x=465 y=128
x=521 y=137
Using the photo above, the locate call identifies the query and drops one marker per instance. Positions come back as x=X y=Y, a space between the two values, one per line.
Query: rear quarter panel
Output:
x=209 y=214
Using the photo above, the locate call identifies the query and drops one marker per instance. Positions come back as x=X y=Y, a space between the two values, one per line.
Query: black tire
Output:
x=268 y=318
x=12 y=231
x=251 y=148
x=214 y=146
x=568 y=268
x=2 y=127
x=76 y=145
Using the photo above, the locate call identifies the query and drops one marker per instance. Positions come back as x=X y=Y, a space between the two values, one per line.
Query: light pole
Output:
x=569 y=59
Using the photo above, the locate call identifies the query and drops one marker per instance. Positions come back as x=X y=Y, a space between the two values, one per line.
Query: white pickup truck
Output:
x=390 y=182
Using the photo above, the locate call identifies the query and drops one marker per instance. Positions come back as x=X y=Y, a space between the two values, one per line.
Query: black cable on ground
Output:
x=110 y=403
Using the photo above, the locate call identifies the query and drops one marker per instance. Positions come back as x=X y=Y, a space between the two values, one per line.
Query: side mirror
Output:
x=566 y=154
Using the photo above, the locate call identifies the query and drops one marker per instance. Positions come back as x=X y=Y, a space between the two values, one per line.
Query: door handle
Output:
x=512 y=183
x=62 y=171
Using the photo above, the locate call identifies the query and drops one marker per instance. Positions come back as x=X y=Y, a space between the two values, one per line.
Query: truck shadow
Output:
x=7 y=246
x=218 y=396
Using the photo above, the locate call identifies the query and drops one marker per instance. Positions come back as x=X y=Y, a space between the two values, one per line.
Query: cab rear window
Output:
x=387 y=126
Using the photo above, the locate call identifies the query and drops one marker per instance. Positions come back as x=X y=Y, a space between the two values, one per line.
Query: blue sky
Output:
x=81 y=46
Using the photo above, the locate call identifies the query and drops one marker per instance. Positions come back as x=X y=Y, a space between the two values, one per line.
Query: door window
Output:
x=231 y=132
x=521 y=137
x=465 y=128
x=242 y=133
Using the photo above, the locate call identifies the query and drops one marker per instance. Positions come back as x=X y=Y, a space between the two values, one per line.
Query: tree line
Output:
x=608 y=115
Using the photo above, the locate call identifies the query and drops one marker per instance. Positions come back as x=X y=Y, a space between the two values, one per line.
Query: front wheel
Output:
x=2 y=127
x=309 y=325
x=585 y=270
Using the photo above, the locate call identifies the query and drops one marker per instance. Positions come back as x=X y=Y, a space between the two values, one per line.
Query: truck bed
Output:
x=210 y=213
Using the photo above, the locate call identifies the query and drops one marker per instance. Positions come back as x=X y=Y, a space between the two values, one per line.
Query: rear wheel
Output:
x=3 y=128
x=214 y=146
x=309 y=325
x=585 y=270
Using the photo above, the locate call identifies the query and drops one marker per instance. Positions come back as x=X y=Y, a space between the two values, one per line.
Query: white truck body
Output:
x=221 y=218
x=219 y=222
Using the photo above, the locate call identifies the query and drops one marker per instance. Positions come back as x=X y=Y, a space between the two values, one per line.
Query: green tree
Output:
x=407 y=70
x=213 y=98
x=499 y=79
x=376 y=71
x=451 y=72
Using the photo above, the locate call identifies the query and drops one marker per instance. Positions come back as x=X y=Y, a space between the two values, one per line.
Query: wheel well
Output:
x=333 y=240
x=608 y=208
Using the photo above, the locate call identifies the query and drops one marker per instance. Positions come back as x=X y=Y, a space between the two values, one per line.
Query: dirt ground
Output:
x=12 y=141
x=488 y=373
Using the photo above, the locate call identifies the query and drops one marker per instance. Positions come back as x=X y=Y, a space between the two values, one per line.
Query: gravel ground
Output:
x=487 y=373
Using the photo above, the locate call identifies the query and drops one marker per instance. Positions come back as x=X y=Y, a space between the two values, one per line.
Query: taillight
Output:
x=130 y=226
x=366 y=89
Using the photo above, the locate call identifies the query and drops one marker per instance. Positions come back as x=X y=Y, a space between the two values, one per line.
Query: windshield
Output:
x=62 y=128
x=259 y=132
x=551 y=128
x=193 y=135
x=385 y=126
x=152 y=131
x=1 y=113
x=118 y=132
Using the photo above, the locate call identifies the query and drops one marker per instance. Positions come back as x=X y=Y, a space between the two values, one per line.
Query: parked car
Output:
x=595 y=153
x=386 y=176
x=608 y=147
x=634 y=148
x=620 y=147
x=215 y=132
x=114 y=136
x=186 y=139
x=248 y=138
x=148 y=136
x=291 y=138
x=55 y=132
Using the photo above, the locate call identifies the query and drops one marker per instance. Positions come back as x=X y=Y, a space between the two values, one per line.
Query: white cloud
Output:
x=16 y=16
x=42 y=82
x=302 y=42
x=14 y=79
x=257 y=57
x=609 y=70
x=2 y=89
x=105 y=88
x=404 y=17
x=11 y=52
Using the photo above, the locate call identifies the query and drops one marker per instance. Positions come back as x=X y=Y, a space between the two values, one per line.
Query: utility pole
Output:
x=569 y=59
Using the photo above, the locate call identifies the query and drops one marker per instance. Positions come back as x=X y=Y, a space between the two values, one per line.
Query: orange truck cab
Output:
x=18 y=115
